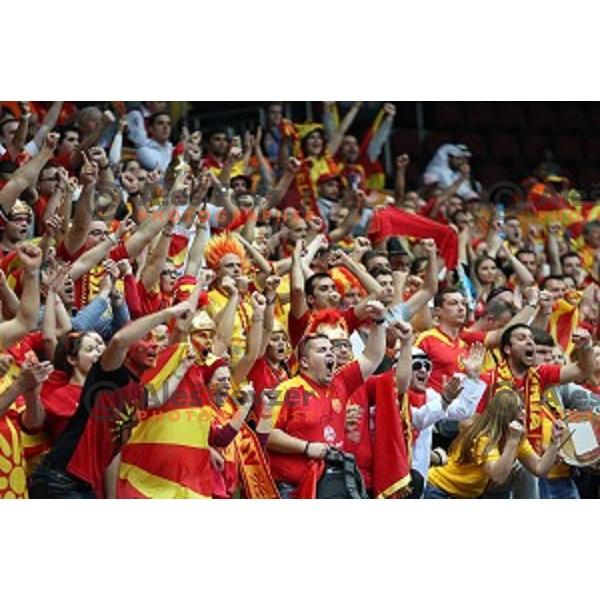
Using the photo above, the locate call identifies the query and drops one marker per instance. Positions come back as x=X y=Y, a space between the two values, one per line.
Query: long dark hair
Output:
x=68 y=346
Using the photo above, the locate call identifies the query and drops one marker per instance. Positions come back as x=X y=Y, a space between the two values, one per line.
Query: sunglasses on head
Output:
x=421 y=363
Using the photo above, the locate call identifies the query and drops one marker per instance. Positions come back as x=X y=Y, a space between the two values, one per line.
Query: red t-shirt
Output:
x=548 y=375
x=315 y=414
x=100 y=426
x=445 y=353
x=60 y=399
x=83 y=286
x=264 y=377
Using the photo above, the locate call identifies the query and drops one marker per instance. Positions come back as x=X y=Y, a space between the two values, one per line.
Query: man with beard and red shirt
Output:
x=78 y=464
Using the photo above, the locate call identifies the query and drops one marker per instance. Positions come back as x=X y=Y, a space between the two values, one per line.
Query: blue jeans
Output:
x=53 y=483
x=435 y=493
x=285 y=490
x=562 y=488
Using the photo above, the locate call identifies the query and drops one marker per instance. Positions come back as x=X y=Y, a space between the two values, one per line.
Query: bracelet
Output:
x=269 y=302
x=379 y=321
x=113 y=238
x=258 y=320
x=306 y=448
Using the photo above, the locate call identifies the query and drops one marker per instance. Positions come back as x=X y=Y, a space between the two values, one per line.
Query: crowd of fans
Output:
x=272 y=315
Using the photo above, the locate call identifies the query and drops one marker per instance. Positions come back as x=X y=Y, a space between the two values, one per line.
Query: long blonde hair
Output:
x=503 y=408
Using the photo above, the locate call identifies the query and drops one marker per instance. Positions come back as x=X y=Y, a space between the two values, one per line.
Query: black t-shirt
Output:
x=100 y=426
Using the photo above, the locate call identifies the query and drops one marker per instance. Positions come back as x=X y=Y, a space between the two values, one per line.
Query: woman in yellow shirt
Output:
x=486 y=450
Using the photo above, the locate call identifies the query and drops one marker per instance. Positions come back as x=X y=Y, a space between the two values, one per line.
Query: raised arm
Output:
x=158 y=398
x=95 y=255
x=9 y=300
x=583 y=368
x=430 y=286
x=375 y=348
x=403 y=332
x=27 y=315
x=333 y=145
x=254 y=341
x=82 y=218
x=274 y=195
x=115 y=353
x=196 y=253
x=298 y=306
x=225 y=320
x=49 y=122
x=522 y=273
x=27 y=174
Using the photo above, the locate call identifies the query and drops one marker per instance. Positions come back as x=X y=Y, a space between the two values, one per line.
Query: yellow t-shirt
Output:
x=241 y=324
x=470 y=480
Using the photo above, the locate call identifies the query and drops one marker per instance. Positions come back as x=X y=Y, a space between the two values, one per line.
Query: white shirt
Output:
x=432 y=411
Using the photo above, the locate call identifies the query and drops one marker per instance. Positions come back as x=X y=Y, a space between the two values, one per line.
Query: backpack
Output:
x=341 y=479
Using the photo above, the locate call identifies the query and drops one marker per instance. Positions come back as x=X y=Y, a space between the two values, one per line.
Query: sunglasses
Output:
x=422 y=364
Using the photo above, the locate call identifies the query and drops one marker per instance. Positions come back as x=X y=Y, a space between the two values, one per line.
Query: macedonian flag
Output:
x=168 y=454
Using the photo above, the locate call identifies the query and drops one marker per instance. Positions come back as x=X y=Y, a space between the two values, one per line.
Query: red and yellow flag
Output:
x=168 y=454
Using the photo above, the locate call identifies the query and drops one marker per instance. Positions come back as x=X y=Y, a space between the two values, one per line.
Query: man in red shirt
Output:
x=310 y=411
x=443 y=344
x=81 y=463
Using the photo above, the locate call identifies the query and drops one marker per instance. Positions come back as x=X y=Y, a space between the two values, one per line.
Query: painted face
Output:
x=278 y=347
x=220 y=385
x=143 y=353
x=203 y=339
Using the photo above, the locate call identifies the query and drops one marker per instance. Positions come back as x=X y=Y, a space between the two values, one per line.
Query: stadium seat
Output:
x=480 y=115
x=542 y=117
x=406 y=141
x=448 y=115
x=476 y=144
x=511 y=117
x=592 y=152
x=568 y=150
x=571 y=118
x=505 y=148
x=532 y=147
